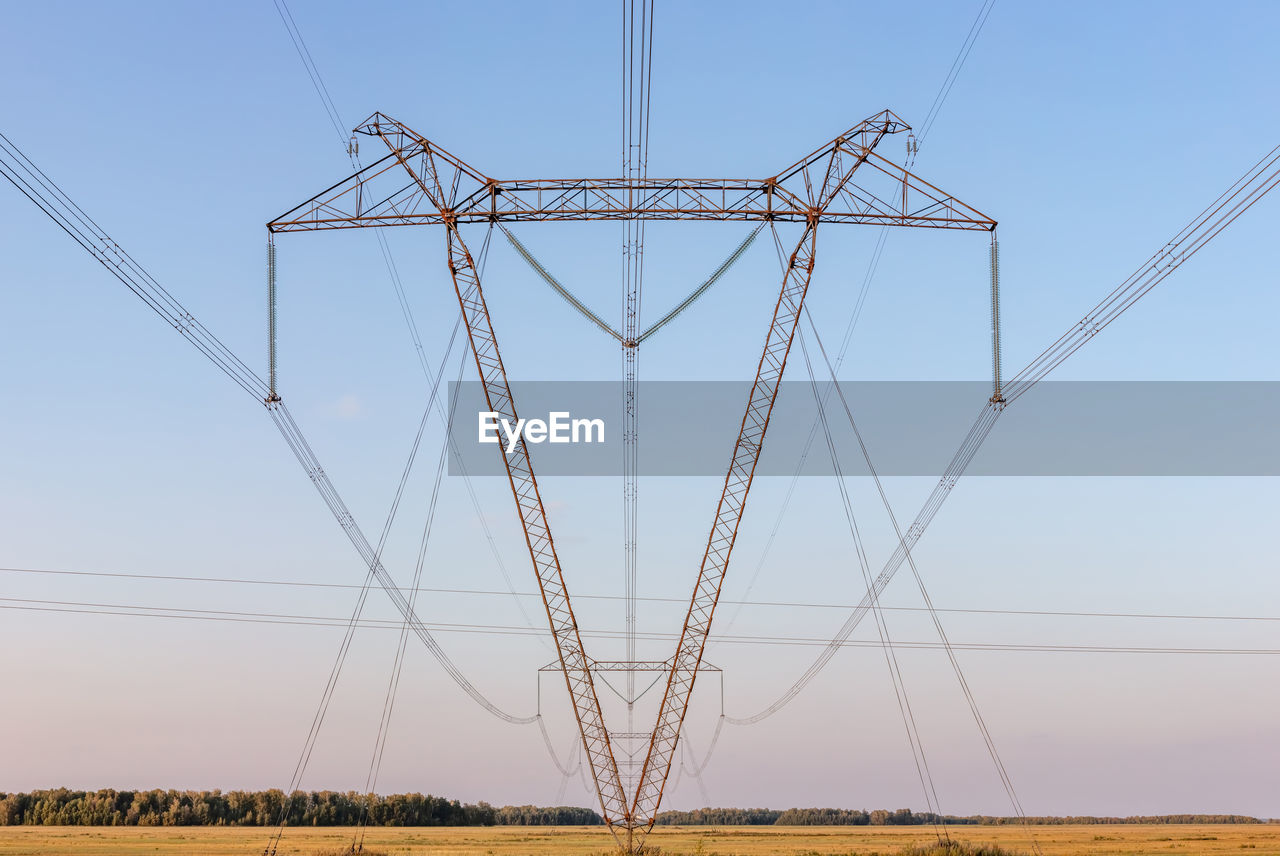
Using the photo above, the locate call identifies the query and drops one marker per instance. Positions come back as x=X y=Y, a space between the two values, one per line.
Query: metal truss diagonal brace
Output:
x=444 y=189
x=524 y=488
x=693 y=638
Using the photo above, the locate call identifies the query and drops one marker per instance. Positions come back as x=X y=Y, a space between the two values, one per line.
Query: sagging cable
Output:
x=1259 y=180
x=555 y=284
x=702 y=289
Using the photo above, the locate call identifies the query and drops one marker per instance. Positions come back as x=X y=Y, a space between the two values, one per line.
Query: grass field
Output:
x=1254 y=840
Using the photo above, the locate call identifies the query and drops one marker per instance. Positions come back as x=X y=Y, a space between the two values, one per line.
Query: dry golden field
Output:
x=1189 y=840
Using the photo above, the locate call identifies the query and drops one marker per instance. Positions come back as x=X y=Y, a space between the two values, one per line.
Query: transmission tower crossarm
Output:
x=378 y=195
x=916 y=202
x=724 y=531
x=866 y=134
x=579 y=199
x=401 y=138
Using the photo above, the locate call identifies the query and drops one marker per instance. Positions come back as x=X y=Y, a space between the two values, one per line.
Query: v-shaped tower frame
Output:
x=443 y=190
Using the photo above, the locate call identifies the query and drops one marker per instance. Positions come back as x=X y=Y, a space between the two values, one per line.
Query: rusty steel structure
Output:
x=418 y=183
x=469 y=196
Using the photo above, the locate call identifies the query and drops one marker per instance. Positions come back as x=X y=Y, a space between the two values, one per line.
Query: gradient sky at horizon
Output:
x=1091 y=131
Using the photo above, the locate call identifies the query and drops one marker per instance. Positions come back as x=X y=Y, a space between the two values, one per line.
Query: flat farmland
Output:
x=1254 y=840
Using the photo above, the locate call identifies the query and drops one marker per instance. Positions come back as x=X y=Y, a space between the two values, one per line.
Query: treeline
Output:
x=63 y=807
x=533 y=815
x=1135 y=818
x=800 y=817
x=906 y=817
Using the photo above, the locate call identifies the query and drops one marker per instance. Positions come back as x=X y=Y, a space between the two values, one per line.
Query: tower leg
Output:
x=715 y=561
x=546 y=563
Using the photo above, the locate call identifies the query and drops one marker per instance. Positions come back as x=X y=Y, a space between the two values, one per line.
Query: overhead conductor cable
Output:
x=1257 y=181
x=20 y=171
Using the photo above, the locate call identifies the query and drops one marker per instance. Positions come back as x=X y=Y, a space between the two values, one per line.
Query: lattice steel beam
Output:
x=378 y=196
x=724 y=532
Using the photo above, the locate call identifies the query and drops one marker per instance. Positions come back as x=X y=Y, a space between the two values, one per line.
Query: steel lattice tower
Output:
x=817 y=190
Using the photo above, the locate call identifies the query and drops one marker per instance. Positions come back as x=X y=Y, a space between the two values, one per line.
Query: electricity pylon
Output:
x=442 y=190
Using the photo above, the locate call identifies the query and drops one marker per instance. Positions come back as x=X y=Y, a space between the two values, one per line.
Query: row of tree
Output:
x=1092 y=819
x=801 y=817
x=904 y=817
x=63 y=807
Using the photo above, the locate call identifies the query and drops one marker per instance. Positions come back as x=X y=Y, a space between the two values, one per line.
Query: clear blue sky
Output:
x=1091 y=131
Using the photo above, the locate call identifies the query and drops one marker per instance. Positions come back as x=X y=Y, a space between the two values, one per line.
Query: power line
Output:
x=375 y=562
x=636 y=81
x=882 y=628
x=393 y=271
x=313 y=72
x=269 y=618
x=393 y=682
x=1001 y=770
x=674 y=600
x=1245 y=192
x=46 y=195
x=22 y=172
x=872 y=266
x=958 y=63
